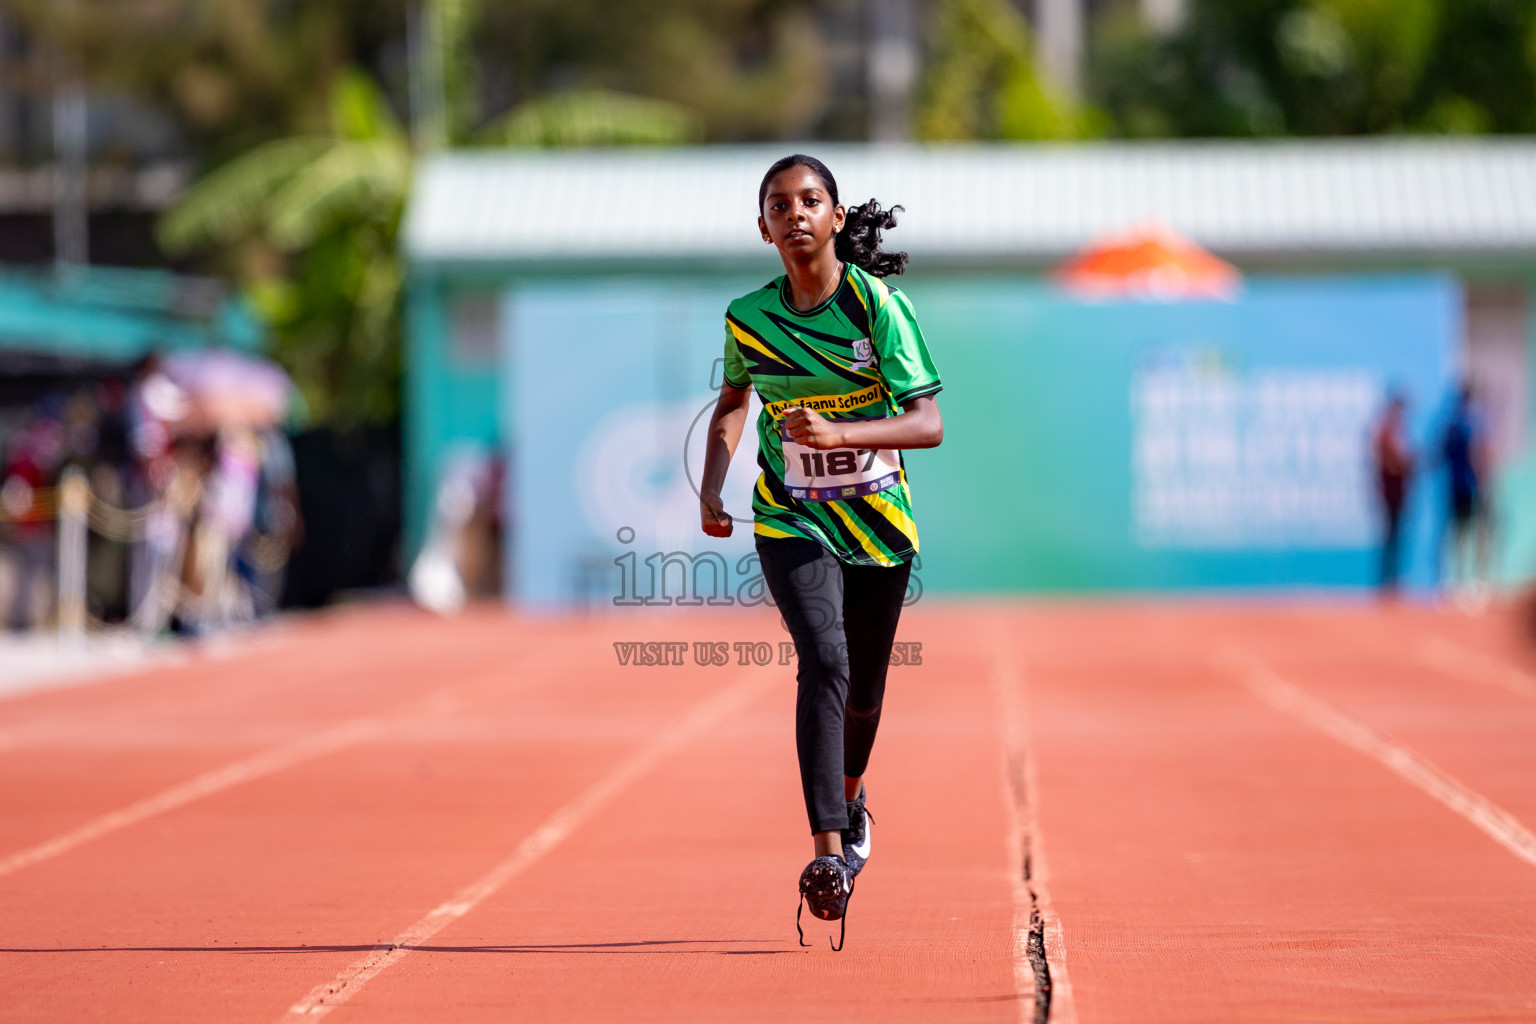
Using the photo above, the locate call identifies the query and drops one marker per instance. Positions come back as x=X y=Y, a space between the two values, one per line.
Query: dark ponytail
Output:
x=859 y=241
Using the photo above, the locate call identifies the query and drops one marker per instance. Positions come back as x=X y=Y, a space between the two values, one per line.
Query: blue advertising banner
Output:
x=1137 y=445
x=1089 y=446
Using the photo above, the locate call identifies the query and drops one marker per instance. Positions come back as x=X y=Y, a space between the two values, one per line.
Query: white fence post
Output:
x=74 y=512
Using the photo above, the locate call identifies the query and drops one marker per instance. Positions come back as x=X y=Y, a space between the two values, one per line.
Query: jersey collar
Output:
x=842 y=283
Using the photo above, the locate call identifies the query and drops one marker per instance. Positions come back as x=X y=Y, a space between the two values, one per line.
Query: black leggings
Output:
x=843 y=618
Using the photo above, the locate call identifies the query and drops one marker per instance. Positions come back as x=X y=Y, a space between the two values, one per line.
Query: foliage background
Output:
x=304 y=121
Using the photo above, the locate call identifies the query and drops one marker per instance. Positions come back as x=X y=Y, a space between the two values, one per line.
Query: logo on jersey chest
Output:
x=863 y=354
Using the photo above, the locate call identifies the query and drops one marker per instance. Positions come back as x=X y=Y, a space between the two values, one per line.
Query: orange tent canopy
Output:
x=1148 y=263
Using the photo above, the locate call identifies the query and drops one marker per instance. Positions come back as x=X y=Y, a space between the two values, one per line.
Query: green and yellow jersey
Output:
x=858 y=355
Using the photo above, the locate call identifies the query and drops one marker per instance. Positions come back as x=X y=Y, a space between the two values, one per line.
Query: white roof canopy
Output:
x=989 y=203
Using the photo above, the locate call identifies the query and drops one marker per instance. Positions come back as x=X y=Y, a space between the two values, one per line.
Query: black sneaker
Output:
x=825 y=885
x=856 y=838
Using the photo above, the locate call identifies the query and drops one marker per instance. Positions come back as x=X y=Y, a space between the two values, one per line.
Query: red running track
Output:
x=1209 y=813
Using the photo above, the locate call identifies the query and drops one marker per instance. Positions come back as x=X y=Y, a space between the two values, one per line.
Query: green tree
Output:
x=309 y=162
x=594 y=117
x=310 y=224
x=740 y=69
x=1321 y=67
x=980 y=81
x=315 y=220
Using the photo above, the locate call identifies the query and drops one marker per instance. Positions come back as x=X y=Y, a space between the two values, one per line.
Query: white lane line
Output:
x=276 y=759
x=345 y=735
x=1474 y=666
x=1032 y=896
x=324 y=998
x=1283 y=695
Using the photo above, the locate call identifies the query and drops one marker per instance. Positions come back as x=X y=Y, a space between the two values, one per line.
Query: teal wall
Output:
x=610 y=382
x=450 y=396
x=1515 y=507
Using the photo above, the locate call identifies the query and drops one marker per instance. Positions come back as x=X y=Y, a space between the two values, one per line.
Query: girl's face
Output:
x=798 y=215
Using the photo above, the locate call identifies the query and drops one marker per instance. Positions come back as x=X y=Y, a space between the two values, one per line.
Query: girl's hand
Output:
x=713 y=516
x=812 y=429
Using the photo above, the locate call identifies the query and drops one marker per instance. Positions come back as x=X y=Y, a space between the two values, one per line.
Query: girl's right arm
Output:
x=719 y=445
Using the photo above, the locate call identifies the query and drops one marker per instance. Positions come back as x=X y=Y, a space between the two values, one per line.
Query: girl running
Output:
x=846 y=382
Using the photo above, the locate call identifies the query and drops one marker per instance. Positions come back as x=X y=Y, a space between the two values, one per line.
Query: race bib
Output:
x=816 y=474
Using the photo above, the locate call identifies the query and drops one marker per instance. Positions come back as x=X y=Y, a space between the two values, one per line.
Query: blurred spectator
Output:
x=1465 y=450
x=278 y=526
x=31 y=468
x=110 y=479
x=461 y=556
x=1394 y=473
x=187 y=540
x=156 y=405
x=192 y=485
x=225 y=517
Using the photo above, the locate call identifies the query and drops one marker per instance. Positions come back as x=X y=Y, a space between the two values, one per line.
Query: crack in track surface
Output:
x=1035 y=941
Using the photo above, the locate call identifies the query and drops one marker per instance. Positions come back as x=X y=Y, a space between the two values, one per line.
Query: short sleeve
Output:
x=736 y=374
x=904 y=360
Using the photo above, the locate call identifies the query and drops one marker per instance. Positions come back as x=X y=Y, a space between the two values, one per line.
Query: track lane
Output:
x=326 y=997
x=1412 y=767
x=75 y=756
x=1464 y=710
x=1215 y=860
x=303 y=867
x=677 y=903
x=1210 y=858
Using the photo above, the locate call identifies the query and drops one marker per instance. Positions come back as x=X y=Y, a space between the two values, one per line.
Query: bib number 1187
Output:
x=837 y=463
